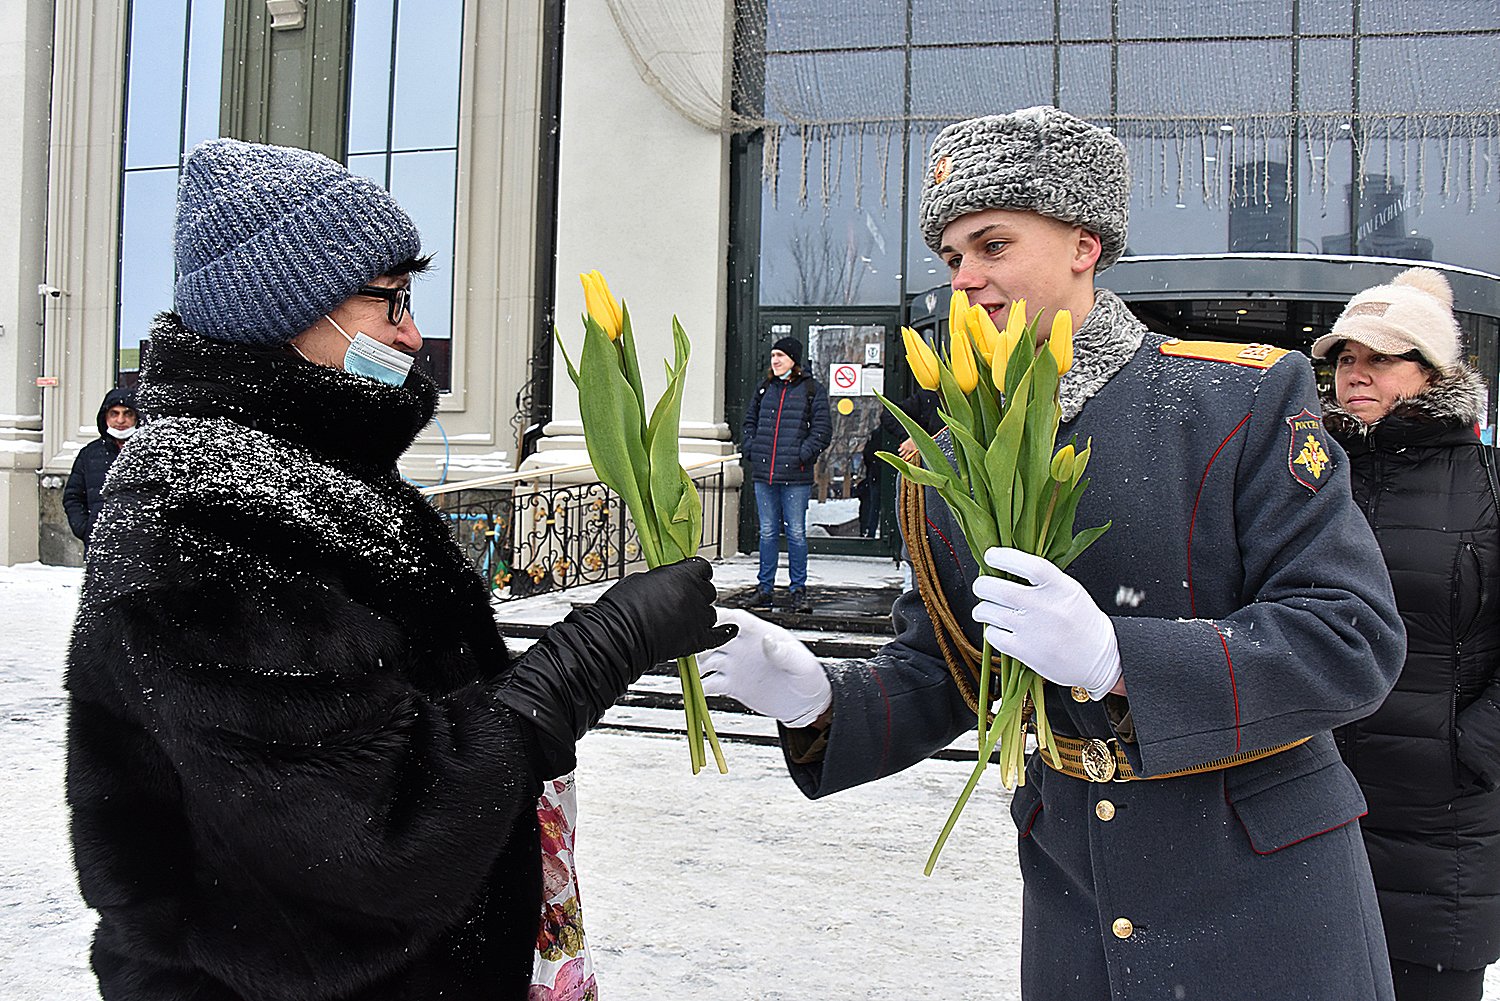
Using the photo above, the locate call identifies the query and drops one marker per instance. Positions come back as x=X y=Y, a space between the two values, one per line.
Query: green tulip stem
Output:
x=984 y=756
x=1041 y=537
x=984 y=694
x=690 y=710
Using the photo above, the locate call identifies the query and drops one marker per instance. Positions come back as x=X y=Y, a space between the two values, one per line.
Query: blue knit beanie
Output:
x=270 y=238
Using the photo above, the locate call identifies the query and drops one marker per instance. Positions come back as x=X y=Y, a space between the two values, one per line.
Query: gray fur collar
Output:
x=1109 y=337
x=1458 y=397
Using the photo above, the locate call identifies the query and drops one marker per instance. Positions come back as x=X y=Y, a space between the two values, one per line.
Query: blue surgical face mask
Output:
x=368 y=357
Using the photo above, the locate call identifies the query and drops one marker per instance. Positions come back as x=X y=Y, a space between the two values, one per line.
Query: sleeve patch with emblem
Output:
x=1308 y=455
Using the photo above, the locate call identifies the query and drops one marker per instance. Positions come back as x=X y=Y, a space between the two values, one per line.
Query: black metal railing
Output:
x=539 y=530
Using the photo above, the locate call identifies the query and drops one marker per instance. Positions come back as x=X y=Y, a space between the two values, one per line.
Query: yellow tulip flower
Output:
x=982 y=329
x=1062 y=464
x=1060 y=342
x=922 y=359
x=600 y=304
x=1015 y=321
x=1015 y=329
x=961 y=357
x=958 y=312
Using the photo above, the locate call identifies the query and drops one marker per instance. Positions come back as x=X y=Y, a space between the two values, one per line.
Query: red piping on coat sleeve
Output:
x=1193 y=522
x=1233 y=688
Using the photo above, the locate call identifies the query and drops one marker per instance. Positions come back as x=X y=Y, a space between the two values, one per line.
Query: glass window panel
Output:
x=1417 y=203
x=1325 y=169
x=846 y=251
x=1428 y=15
x=801 y=25
x=371 y=165
x=1260 y=209
x=924 y=271
x=1326 y=17
x=1195 y=19
x=1447 y=74
x=967 y=21
x=1084 y=18
x=835 y=86
x=429 y=36
x=370 y=75
x=1180 y=196
x=1324 y=76
x=948 y=85
x=1084 y=81
x=149 y=202
x=153 y=101
x=1205 y=78
x=426 y=184
x=205 y=65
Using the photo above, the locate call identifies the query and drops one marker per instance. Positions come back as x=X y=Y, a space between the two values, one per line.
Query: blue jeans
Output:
x=783 y=505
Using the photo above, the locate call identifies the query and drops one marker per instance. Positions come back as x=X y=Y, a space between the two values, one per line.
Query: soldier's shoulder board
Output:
x=1249 y=355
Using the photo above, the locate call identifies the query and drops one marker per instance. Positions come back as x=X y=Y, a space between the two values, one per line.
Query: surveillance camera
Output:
x=49 y=290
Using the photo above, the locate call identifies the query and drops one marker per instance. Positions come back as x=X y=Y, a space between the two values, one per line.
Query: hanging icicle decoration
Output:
x=858 y=170
x=770 y=161
x=804 y=133
x=885 y=170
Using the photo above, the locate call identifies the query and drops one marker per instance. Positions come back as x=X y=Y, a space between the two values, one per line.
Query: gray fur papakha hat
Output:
x=1038 y=160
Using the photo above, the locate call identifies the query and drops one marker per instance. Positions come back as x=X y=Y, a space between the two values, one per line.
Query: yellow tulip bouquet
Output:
x=1007 y=484
x=638 y=459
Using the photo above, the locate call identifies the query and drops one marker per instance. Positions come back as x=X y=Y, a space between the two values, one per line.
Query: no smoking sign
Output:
x=843 y=380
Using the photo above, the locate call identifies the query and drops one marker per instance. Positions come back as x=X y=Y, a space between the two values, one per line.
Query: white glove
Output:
x=1051 y=625
x=768 y=669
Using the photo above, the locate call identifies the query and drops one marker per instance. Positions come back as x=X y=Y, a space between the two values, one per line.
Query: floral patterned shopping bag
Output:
x=563 y=970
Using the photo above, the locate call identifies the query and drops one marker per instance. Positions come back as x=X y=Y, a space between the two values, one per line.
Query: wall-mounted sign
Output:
x=843 y=380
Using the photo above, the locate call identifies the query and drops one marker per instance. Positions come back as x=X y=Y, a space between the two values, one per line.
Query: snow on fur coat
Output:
x=288 y=775
x=1428 y=760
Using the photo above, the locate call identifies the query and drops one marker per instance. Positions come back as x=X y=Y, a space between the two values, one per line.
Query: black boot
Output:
x=800 y=601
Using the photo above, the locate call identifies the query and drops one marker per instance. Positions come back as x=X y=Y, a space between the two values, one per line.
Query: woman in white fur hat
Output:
x=1429 y=758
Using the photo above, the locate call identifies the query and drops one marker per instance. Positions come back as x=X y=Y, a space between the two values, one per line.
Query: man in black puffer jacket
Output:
x=117 y=422
x=301 y=764
x=1428 y=759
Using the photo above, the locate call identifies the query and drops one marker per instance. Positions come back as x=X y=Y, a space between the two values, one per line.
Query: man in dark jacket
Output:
x=301 y=763
x=787 y=426
x=117 y=422
x=1192 y=832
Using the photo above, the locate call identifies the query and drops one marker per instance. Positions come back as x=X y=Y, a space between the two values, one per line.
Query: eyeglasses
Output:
x=397 y=300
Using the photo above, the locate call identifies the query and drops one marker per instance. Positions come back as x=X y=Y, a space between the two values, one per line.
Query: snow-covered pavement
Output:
x=724 y=887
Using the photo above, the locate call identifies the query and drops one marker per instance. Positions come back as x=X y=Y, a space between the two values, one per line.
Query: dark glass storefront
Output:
x=1267 y=140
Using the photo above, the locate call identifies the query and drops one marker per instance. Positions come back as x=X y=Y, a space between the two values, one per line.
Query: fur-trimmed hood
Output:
x=1456 y=399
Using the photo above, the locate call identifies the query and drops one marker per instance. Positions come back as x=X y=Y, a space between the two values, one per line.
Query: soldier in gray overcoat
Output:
x=1193 y=834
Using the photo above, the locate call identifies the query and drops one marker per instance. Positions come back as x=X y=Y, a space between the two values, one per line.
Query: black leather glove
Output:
x=580 y=666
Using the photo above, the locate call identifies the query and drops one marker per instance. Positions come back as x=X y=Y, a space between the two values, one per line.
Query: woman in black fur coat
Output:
x=301 y=764
x=1429 y=759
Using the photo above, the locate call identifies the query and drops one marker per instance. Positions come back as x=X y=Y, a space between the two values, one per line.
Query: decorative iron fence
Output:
x=538 y=531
